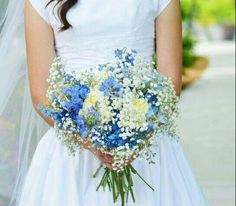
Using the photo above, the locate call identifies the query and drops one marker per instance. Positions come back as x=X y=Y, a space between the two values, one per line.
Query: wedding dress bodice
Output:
x=101 y=26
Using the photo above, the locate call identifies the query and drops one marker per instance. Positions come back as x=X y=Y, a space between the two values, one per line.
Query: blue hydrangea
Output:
x=111 y=87
x=78 y=91
x=111 y=139
x=83 y=131
x=80 y=121
x=74 y=105
x=81 y=125
x=83 y=92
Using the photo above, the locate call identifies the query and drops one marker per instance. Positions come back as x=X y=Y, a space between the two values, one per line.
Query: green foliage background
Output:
x=208 y=12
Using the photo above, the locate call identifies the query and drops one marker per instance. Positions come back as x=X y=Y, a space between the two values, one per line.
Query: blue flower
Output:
x=111 y=140
x=76 y=94
x=162 y=117
x=111 y=87
x=152 y=111
x=81 y=125
x=114 y=127
x=121 y=142
x=56 y=117
x=48 y=112
x=74 y=105
x=119 y=53
x=40 y=107
x=151 y=97
x=83 y=131
x=159 y=87
x=78 y=91
x=80 y=121
x=129 y=59
x=83 y=91
x=72 y=92
x=111 y=68
x=100 y=67
x=69 y=77
x=152 y=127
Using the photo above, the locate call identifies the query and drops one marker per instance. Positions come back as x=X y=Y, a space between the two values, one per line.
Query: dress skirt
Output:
x=56 y=178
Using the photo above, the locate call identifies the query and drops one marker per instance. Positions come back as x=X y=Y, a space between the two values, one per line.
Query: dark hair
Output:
x=62 y=11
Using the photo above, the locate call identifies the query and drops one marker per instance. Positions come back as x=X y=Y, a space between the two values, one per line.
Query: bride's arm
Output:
x=40 y=54
x=169 y=43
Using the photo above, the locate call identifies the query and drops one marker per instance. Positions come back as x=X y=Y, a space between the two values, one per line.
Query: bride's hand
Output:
x=106 y=159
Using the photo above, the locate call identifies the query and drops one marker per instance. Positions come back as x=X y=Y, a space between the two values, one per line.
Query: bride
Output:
x=85 y=33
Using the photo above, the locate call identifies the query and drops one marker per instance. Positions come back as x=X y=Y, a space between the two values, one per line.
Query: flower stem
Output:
x=120 y=183
x=98 y=170
x=135 y=172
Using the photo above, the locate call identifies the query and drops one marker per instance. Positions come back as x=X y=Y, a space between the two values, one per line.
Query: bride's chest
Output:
x=95 y=17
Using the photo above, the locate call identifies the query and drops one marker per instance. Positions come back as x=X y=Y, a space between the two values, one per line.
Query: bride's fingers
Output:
x=109 y=166
x=105 y=158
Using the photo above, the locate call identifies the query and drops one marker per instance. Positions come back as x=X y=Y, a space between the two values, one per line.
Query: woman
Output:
x=85 y=33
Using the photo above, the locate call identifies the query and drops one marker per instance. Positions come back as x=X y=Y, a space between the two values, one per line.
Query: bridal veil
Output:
x=20 y=126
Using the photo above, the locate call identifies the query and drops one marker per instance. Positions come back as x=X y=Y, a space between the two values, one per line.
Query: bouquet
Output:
x=119 y=107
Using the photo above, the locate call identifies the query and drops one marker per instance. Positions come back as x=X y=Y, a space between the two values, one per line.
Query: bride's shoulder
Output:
x=160 y=5
x=156 y=6
x=42 y=7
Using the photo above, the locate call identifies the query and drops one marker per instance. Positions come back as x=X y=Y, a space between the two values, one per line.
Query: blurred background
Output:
x=207 y=123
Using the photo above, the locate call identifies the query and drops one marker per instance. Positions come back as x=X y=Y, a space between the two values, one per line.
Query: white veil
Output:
x=20 y=126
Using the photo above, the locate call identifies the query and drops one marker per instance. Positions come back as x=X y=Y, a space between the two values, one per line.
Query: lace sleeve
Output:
x=40 y=7
x=161 y=5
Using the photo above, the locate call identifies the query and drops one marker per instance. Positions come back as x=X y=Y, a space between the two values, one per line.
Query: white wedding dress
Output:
x=57 y=179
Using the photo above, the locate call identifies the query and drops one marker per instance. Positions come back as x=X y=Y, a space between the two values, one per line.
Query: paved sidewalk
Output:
x=207 y=124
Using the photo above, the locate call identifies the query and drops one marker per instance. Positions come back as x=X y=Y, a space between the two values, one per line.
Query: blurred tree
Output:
x=216 y=11
x=189 y=56
x=189 y=12
x=209 y=11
